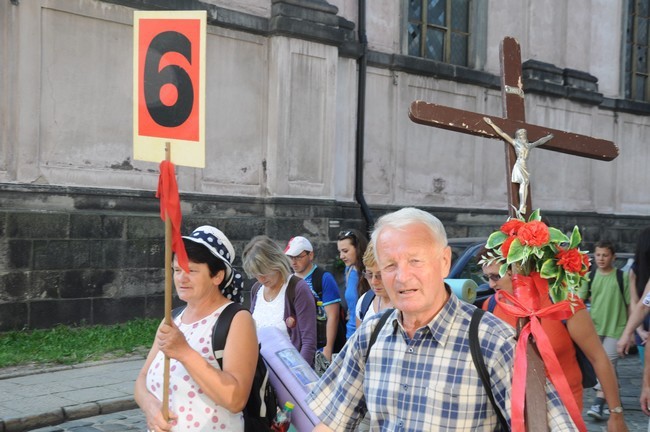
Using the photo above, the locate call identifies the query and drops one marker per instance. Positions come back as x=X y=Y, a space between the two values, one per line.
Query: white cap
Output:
x=296 y=245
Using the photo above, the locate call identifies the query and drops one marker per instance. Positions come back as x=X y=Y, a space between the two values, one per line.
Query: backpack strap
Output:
x=366 y=303
x=291 y=293
x=592 y=275
x=317 y=282
x=492 y=303
x=221 y=329
x=621 y=284
x=376 y=330
x=479 y=364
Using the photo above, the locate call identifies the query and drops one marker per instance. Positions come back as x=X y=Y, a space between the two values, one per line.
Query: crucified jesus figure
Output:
x=522 y=147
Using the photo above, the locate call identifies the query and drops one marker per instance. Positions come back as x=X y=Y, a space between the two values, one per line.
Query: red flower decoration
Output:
x=534 y=233
x=511 y=227
x=571 y=260
x=505 y=247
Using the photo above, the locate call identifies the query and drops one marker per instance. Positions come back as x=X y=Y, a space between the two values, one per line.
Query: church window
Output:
x=439 y=30
x=637 y=44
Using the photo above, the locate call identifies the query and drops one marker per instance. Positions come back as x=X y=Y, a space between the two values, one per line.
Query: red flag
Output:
x=170 y=205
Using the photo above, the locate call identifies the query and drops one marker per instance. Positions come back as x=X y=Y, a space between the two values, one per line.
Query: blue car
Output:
x=464 y=264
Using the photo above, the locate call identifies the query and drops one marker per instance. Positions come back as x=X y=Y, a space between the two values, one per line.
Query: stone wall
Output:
x=96 y=256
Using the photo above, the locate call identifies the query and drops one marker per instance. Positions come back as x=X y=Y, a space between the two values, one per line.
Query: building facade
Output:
x=307 y=132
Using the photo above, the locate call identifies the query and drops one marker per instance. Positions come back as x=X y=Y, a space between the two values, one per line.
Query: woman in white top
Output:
x=380 y=300
x=275 y=302
x=202 y=396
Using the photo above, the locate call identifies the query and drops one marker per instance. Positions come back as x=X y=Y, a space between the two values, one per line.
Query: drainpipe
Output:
x=361 y=117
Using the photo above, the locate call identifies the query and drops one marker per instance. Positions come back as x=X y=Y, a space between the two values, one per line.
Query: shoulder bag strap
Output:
x=479 y=363
x=376 y=330
x=221 y=329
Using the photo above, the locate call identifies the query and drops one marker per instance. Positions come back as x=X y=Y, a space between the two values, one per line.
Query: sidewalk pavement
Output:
x=31 y=399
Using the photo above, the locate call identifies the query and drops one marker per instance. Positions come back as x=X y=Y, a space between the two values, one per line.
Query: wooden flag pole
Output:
x=168 y=295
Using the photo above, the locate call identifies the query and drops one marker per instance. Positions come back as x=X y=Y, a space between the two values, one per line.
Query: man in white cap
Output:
x=323 y=285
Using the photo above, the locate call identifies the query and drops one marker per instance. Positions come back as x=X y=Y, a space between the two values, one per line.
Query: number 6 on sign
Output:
x=169 y=86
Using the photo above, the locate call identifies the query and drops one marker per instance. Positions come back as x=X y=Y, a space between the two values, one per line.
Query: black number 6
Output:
x=177 y=114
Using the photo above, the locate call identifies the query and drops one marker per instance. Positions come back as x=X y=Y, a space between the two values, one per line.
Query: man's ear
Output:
x=446 y=261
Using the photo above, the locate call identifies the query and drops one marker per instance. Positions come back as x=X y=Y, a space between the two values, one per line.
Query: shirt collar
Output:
x=441 y=323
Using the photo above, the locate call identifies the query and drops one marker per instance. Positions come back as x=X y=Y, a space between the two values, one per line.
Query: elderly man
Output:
x=419 y=374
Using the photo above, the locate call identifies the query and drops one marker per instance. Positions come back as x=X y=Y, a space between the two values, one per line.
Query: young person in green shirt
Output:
x=609 y=293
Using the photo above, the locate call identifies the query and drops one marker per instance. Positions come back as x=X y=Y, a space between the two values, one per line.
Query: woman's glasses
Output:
x=369 y=275
x=491 y=277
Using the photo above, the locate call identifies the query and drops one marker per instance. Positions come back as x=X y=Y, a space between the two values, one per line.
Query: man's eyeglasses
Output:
x=491 y=277
x=299 y=256
x=370 y=275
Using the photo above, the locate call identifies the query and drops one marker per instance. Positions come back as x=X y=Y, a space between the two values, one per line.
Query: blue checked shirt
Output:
x=428 y=383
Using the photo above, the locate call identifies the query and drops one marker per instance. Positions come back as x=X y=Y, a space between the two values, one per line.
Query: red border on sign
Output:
x=191 y=29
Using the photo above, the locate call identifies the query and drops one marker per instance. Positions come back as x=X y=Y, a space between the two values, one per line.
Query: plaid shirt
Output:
x=427 y=383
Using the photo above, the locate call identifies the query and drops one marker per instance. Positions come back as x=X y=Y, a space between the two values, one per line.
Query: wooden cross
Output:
x=513 y=120
x=512 y=95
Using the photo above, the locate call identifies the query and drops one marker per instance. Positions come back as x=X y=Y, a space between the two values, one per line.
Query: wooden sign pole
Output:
x=168 y=295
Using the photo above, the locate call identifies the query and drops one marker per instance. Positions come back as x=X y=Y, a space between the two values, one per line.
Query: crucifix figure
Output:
x=513 y=124
x=522 y=147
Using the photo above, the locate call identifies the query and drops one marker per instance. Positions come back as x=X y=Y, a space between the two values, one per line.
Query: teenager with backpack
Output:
x=203 y=394
x=323 y=285
x=577 y=332
x=609 y=292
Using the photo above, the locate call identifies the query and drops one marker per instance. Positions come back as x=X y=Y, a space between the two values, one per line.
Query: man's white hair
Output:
x=402 y=218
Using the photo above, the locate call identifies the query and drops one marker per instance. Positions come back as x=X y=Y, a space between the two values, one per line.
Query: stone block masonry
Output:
x=96 y=256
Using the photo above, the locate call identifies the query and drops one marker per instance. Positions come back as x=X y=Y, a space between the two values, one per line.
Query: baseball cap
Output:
x=296 y=245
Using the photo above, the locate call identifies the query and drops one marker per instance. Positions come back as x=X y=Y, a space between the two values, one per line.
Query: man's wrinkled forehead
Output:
x=388 y=236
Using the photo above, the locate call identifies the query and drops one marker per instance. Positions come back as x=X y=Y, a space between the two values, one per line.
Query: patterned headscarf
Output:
x=219 y=245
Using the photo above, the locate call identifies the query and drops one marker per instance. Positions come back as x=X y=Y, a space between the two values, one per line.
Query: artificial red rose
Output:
x=571 y=260
x=505 y=247
x=533 y=233
x=511 y=227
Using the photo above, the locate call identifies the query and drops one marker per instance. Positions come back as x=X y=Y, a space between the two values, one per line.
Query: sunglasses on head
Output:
x=346 y=235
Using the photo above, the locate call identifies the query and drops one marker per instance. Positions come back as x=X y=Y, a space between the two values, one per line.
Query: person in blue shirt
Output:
x=323 y=285
x=352 y=245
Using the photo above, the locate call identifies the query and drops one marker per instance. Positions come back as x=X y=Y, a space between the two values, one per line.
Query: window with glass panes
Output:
x=439 y=30
x=637 y=86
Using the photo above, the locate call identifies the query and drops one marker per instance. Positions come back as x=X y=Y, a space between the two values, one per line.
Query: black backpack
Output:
x=262 y=404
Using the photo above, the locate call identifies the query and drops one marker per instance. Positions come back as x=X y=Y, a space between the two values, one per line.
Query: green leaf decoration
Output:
x=576 y=238
x=557 y=236
x=496 y=239
x=549 y=269
x=516 y=252
x=503 y=269
x=535 y=216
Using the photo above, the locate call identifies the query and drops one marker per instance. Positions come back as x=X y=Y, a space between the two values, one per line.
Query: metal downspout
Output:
x=361 y=117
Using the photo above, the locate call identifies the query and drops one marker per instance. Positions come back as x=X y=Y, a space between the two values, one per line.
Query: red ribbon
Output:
x=525 y=304
x=170 y=206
